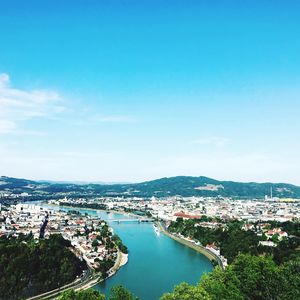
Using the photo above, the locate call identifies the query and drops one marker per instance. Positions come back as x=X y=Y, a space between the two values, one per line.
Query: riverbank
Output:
x=87 y=208
x=121 y=260
x=124 y=259
x=118 y=212
x=210 y=255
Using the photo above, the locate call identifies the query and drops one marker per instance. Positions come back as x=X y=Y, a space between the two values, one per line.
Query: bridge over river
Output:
x=138 y=220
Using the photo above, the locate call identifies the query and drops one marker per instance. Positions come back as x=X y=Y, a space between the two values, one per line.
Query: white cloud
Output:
x=113 y=119
x=4 y=79
x=7 y=126
x=18 y=105
x=211 y=141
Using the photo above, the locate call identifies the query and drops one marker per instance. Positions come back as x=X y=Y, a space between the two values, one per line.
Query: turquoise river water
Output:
x=156 y=262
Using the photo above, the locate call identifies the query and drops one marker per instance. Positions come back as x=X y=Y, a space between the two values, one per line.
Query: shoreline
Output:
x=99 y=209
x=208 y=254
x=121 y=260
x=124 y=259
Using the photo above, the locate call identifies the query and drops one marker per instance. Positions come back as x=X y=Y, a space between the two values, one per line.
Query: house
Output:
x=276 y=231
x=267 y=243
x=186 y=216
x=213 y=248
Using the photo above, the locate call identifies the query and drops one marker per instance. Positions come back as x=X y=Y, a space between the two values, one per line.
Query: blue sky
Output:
x=137 y=90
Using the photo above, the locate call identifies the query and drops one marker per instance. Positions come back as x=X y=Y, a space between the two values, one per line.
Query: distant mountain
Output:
x=80 y=182
x=204 y=186
x=180 y=185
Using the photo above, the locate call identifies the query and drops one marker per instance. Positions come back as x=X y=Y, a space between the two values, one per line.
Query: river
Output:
x=156 y=262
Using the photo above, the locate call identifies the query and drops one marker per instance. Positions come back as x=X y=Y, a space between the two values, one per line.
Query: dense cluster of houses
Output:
x=82 y=231
x=193 y=207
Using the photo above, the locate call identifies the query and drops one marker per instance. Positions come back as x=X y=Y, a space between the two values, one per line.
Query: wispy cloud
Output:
x=18 y=105
x=7 y=126
x=82 y=155
x=113 y=119
x=211 y=141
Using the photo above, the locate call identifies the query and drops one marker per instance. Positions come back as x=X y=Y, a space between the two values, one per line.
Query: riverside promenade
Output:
x=209 y=254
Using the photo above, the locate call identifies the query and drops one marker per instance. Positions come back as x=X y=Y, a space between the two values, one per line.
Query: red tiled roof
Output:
x=213 y=246
x=183 y=215
x=93 y=236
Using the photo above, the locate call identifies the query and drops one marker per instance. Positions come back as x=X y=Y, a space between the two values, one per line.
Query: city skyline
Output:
x=132 y=91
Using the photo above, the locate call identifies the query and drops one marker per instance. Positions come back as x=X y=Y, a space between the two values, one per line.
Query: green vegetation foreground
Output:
x=29 y=267
x=247 y=278
x=117 y=293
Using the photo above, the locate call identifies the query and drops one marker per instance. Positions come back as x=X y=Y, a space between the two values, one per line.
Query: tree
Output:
x=95 y=243
x=254 y=278
x=51 y=263
x=290 y=275
x=222 y=285
x=118 y=292
x=104 y=231
x=214 y=263
x=82 y=295
x=187 y=292
x=275 y=238
x=259 y=276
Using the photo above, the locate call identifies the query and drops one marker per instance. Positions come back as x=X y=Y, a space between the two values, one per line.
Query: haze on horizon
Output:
x=128 y=91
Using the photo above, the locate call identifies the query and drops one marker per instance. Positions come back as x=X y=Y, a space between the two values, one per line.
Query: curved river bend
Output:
x=156 y=262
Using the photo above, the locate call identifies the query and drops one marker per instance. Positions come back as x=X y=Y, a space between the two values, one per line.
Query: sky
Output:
x=133 y=90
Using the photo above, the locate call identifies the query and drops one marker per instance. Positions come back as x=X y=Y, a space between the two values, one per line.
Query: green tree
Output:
x=290 y=280
x=51 y=263
x=222 y=285
x=104 y=231
x=187 y=292
x=275 y=238
x=82 y=295
x=120 y=293
x=259 y=276
x=95 y=243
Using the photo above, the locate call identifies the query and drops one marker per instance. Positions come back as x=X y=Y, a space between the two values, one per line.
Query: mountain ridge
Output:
x=162 y=187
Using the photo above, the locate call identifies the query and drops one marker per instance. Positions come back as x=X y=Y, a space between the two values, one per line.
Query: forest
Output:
x=29 y=267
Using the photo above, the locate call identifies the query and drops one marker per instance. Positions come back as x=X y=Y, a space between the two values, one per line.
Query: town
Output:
x=168 y=209
x=214 y=213
x=91 y=238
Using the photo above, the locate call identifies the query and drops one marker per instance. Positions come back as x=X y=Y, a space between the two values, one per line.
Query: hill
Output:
x=180 y=185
